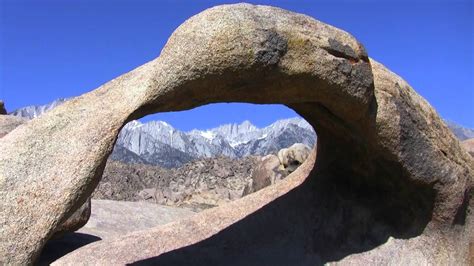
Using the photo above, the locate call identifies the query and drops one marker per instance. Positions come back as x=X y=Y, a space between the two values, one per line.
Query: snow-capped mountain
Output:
x=156 y=140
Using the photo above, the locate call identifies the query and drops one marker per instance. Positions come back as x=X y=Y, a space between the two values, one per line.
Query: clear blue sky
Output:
x=51 y=49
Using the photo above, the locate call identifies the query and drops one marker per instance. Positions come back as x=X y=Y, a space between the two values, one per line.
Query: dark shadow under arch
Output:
x=56 y=248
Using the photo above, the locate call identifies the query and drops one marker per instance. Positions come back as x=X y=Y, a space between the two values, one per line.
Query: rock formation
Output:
x=273 y=168
x=3 y=111
x=391 y=180
x=292 y=157
x=265 y=174
x=199 y=184
x=205 y=183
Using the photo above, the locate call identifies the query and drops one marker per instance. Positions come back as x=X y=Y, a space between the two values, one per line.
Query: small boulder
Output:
x=3 y=111
x=147 y=194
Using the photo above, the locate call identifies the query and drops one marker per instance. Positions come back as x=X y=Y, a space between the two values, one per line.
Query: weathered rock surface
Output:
x=468 y=145
x=78 y=218
x=8 y=123
x=110 y=219
x=122 y=181
x=387 y=165
x=3 y=111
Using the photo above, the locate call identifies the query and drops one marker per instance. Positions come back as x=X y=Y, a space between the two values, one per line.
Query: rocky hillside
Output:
x=199 y=184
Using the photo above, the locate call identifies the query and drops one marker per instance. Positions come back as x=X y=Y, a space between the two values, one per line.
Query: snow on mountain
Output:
x=159 y=143
x=33 y=111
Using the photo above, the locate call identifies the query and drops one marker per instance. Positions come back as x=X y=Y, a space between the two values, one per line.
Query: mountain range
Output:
x=158 y=143
x=462 y=133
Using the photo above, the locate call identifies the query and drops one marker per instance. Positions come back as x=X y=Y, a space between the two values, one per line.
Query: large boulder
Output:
x=273 y=168
x=266 y=173
x=391 y=180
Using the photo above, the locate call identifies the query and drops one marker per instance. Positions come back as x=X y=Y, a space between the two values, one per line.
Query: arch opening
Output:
x=173 y=159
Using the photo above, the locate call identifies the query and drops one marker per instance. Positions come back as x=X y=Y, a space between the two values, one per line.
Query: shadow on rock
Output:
x=322 y=220
x=56 y=248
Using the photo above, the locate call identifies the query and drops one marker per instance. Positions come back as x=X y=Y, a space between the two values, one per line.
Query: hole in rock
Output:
x=184 y=162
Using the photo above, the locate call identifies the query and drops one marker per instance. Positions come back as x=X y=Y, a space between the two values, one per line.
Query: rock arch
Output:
x=387 y=165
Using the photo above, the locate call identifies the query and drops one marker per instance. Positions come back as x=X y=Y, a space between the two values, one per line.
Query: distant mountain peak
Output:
x=462 y=133
x=34 y=111
x=133 y=124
